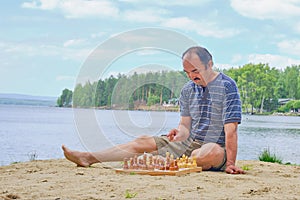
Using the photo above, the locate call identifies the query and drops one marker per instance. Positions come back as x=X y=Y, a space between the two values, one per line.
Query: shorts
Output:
x=185 y=147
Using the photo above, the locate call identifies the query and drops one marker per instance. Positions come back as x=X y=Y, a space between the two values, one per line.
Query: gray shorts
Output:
x=186 y=147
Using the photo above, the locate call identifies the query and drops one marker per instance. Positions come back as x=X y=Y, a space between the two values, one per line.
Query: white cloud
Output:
x=76 y=8
x=290 y=46
x=82 y=8
x=277 y=61
x=267 y=9
x=236 y=58
x=297 y=27
x=73 y=42
x=41 y=4
x=148 y=15
x=18 y=50
x=200 y=27
x=97 y=35
x=168 y=3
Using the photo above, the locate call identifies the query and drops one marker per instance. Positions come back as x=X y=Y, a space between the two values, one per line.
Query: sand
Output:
x=61 y=179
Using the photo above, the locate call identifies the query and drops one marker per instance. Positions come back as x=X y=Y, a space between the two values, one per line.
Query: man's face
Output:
x=195 y=69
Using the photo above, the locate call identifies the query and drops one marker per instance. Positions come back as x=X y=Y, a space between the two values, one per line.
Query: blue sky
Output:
x=44 y=43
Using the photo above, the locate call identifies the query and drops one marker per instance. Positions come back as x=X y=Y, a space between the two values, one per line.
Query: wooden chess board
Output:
x=160 y=172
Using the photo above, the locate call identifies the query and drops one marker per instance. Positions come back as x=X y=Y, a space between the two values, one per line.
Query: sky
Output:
x=44 y=44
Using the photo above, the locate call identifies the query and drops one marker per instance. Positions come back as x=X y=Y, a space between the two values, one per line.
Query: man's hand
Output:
x=182 y=132
x=172 y=135
x=231 y=169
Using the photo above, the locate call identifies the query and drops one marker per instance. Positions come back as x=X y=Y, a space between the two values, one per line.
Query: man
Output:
x=210 y=110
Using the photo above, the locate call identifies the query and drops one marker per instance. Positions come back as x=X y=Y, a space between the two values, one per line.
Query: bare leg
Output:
x=116 y=153
x=209 y=155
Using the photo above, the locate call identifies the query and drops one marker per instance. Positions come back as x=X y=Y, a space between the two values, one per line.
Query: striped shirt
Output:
x=211 y=107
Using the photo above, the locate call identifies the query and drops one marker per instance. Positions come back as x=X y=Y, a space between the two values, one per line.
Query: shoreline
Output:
x=61 y=179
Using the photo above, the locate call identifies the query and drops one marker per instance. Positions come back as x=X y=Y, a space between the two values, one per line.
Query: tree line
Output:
x=260 y=88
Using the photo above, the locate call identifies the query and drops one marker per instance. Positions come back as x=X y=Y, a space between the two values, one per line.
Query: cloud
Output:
x=97 y=35
x=147 y=15
x=76 y=8
x=200 y=27
x=73 y=42
x=267 y=9
x=277 y=61
x=168 y=3
x=290 y=47
x=18 y=50
x=41 y=4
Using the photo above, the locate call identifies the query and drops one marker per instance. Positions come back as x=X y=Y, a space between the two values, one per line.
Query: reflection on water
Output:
x=42 y=130
x=281 y=134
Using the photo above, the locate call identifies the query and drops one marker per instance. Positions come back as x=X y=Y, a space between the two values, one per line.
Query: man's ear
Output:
x=210 y=64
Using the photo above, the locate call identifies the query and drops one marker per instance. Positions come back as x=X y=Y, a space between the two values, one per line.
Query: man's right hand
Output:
x=172 y=134
x=177 y=135
x=182 y=132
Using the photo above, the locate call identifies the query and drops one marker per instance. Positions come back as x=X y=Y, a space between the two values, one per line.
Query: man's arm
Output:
x=183 y=131
x=231 y=148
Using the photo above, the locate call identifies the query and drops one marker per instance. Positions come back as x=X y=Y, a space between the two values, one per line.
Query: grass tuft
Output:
x=130 y=194
x=247 y=167
x=266 y=156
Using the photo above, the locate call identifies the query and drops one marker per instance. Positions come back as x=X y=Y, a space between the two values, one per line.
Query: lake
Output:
x=32 y=132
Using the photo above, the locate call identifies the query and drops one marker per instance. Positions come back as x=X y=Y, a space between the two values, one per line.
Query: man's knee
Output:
x=209 y=150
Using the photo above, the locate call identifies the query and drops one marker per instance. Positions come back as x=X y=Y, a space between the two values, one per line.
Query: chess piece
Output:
x=161 y=164
x=144 y=163
x=131 y=163
x=176 y=168
x=172 y=164
x=167 y=164
x=125 y=164
x=194 y=165
x=151 y=165
x=156 y=162
x=135 y=162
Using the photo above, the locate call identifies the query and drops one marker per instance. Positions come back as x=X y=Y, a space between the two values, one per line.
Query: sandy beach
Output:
x=61 y=179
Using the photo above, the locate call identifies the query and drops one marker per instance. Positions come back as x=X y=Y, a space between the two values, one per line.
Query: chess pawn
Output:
x=176 y=168
x=172 y=164
x=186 y=162
x=167 y=154
x=144 y=163
x=131 y=163
x=135 y=162
x=125 y=165
x=140 y=163
x=194 y=165
x=167 y=162
x=156 y=162
x=189 y=163
x=161 y=164
x=151 y=165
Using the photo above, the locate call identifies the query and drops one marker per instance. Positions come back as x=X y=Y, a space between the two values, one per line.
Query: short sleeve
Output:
x=232 y=107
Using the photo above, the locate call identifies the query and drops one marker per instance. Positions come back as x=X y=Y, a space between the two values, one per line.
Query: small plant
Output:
x=32 y=155
x=129 y=195
x=266 y=156
x=247 y=167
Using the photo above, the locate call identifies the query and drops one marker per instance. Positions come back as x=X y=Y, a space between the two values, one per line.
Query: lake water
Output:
x=29 y=132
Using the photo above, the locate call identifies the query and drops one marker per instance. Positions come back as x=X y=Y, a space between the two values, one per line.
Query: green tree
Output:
x=65 y=98
x=152 y=100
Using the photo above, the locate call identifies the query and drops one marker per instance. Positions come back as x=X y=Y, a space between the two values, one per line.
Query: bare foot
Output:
x=82 y=159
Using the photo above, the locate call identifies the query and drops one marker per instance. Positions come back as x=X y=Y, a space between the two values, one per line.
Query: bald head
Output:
x=201 y=52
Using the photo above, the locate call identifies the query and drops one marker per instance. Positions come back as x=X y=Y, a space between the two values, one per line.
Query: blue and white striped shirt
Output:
x=211 y=107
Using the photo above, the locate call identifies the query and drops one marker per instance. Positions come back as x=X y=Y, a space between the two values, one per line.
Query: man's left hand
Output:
x=231 y=169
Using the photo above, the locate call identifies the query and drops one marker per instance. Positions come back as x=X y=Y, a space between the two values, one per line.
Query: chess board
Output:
x=156 y=172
